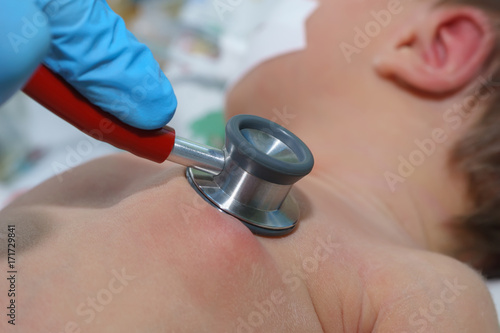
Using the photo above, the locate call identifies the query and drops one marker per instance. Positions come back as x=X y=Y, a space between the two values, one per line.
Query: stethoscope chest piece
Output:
x=262 y=161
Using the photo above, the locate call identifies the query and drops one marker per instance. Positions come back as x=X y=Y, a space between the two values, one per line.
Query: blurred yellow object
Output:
x=125 y=8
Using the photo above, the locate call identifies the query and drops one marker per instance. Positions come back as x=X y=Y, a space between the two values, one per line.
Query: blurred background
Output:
x=198 y=43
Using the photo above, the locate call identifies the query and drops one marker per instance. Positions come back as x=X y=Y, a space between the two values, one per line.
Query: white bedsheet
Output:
x=494 y=287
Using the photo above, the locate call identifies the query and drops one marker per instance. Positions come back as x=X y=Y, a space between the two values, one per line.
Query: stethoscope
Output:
x=251 y=178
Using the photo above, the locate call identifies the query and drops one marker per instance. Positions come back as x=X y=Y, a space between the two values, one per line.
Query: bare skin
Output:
x=124 y=245
x=190 y=268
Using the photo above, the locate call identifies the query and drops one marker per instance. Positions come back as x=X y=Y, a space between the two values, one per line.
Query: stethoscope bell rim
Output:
x=273 y=223
x=262 y=162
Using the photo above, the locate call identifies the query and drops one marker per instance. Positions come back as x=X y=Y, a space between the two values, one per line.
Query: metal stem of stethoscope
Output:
x=196 y=155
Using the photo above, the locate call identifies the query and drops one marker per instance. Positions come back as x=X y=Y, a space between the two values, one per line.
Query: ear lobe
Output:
x=440 y=53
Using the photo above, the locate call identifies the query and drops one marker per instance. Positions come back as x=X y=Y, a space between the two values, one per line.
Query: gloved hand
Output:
x=86 y=43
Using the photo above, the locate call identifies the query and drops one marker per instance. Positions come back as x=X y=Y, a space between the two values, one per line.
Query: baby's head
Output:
x=457 y=52
x=477 y=156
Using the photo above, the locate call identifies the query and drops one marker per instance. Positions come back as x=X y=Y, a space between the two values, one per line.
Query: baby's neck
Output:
x=398 y=218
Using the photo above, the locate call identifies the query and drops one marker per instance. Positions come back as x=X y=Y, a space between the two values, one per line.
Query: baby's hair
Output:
x=477 y=156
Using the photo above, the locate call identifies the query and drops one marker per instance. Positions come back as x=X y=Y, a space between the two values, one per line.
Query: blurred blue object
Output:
x=26 y=42
x=93 y=51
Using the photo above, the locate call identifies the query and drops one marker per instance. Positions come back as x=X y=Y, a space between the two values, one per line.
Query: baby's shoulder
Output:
x=422 y=291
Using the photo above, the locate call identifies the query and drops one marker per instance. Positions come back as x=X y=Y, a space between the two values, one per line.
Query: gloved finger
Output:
x=95 y=53
x=25 y=42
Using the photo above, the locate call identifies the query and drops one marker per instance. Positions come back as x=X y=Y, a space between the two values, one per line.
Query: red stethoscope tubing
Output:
x=55 y=94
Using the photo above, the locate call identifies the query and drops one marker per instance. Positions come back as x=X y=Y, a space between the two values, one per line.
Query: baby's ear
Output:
x=440 y=51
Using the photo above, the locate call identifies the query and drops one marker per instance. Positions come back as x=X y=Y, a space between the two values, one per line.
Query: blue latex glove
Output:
x=86 y=43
